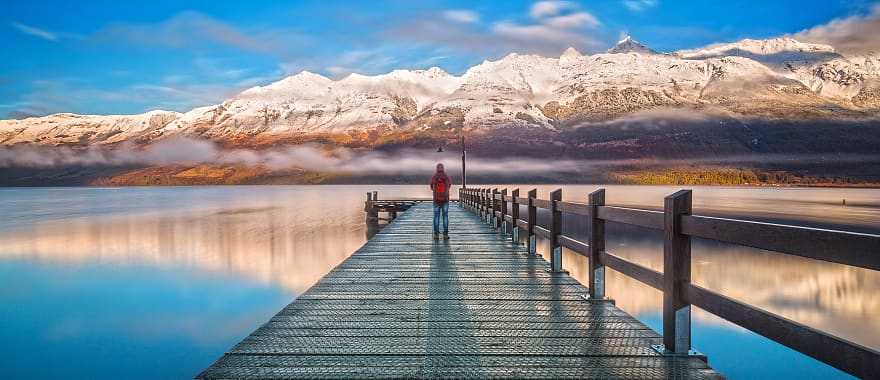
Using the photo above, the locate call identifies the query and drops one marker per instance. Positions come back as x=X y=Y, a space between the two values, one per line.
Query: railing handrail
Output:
x=843 y=247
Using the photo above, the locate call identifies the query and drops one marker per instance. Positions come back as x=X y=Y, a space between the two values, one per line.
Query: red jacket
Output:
x=440 y=179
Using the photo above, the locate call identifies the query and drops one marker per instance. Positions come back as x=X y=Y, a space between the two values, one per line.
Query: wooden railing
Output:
x=679 y=293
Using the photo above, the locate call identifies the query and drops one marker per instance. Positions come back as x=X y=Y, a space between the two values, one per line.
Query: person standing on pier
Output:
x=440 y=184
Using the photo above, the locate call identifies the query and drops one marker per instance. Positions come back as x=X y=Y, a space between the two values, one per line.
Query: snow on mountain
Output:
x=778 y=77
x=629 y=45
x=67 y=128
x=770 y=50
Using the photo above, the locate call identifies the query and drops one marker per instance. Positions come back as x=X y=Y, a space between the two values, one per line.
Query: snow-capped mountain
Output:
x=629 y=45
x=773 y=78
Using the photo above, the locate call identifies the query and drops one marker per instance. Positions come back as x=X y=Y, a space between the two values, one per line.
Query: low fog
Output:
x=183 y=151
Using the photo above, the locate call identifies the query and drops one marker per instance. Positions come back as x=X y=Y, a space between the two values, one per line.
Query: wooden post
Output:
x=533 y=219
x=503 y=211
x=596 y=241
x=676 y=274
x=483 y=204
x=494 y=218
x=555 y=230
x=514 y=213
x=372 y=214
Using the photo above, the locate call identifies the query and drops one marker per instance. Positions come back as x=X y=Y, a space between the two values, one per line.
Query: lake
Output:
x=159 y=282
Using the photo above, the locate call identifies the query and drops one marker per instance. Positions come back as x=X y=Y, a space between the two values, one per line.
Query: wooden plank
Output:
x=574 y=208
x=476 y=306
x=574 y=245
x=637 y=217
x=849 y=248
x=846 y=356
x=643 y=274
x=543 y=232
x=541 y=203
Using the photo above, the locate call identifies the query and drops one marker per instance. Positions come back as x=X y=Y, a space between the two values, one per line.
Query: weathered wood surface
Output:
x=476 y=306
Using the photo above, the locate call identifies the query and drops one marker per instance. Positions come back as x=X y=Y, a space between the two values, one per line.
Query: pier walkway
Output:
x=475 y=306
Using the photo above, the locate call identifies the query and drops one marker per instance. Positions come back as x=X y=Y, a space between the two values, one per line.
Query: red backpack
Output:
x=441 y=190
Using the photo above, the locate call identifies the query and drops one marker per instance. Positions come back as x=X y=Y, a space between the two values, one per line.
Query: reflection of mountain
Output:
x=292 y=236
x=268 y=245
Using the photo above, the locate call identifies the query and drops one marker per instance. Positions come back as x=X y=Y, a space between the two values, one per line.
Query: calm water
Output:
x=158 y=282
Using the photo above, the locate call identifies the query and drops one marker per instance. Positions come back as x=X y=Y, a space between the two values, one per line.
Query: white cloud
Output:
x=854 y=34
x=574 y=20
x=543 y=9
x=639 y=5
x=552 y=26
x=36 y=32
x=461 y=15
x=194 y=30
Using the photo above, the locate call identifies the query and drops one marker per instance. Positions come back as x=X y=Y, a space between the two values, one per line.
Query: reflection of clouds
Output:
x=156 y=326
x=267 y=245
x=291 y=236
x=833 y=298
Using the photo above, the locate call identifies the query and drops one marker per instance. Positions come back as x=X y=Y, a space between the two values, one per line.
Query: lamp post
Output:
x=463 y=159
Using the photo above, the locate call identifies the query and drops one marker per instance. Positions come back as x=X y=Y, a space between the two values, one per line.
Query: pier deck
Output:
x=475 y=306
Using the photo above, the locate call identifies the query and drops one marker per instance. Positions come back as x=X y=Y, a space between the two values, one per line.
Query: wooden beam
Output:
x=555 y=230
x=533 y=220
x=514 y=213
x=676 y=274
x=848 y=248
x=596 y=242
x=846 y=356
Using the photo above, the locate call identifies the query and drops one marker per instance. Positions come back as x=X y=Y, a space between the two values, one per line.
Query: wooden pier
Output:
x=483 y=305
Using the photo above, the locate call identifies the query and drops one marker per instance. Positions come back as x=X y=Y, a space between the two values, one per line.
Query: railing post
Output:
x=555 y=230
x=533 y=219
x=372 y=214
x=514 y=214
x=493 y=220
x=503 y=211
x=676 y=274
x=596 y=241
x=484 y=204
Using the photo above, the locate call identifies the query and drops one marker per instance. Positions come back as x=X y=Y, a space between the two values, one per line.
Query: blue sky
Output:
x=106 y=57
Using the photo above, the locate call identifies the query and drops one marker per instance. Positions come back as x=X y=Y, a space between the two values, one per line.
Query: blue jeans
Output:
x=441 y=215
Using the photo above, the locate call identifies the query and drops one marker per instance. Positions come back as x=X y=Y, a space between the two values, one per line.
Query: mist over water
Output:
x=158 y=282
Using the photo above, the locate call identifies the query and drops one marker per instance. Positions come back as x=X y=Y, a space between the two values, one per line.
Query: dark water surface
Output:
x=158 y=282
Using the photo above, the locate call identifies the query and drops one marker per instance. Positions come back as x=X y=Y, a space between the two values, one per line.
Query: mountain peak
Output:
x=570 y=54
x=629 y=45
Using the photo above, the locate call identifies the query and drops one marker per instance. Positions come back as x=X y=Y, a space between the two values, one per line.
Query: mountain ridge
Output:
x=778 y=79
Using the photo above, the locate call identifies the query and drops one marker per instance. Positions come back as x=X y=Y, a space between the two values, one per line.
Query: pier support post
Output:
x=676 y=274
x=555 y=230
x=533 y=219
x=484 y=204
x=370 y=209
x=502 y=219
x=493 y=220
x=514 y=213
x=596 y=241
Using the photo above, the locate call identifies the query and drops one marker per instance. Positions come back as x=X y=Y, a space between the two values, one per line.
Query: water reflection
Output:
x=224 y=259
